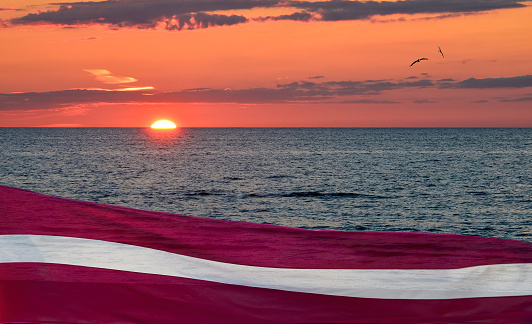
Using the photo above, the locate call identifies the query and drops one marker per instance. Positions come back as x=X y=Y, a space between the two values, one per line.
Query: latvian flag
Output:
x=69 y=261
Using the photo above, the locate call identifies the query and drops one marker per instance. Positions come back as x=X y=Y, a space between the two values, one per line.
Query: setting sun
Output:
x=163 y=124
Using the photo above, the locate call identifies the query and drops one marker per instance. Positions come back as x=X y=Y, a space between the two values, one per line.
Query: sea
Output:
x=461 y=181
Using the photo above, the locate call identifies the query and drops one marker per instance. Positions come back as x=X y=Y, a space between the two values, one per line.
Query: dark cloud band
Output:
x=354 y=10
x=191 y=14
x=511 y=82
x=295 y=92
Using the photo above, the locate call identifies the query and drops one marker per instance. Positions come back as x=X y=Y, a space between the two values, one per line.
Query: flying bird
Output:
x=439 y=50
x=421 y=59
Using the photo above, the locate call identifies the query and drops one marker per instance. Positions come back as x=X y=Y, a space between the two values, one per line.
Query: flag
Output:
x=70 y=261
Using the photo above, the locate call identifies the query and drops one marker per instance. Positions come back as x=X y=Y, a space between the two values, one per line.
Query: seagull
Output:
x=421 y=59
x=439 y=50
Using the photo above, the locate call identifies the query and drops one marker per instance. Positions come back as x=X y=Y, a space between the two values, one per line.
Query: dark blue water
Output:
x=462 y=181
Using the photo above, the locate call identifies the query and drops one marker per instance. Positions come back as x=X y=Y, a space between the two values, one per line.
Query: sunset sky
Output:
x=266 y=63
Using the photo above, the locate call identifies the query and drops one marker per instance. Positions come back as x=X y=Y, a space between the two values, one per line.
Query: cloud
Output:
x=296 y=16
x=10 y=9
x=473 y=83
x=349 y=88
x=193 y=14
x=517 y=99
x=201 y=20
x=107 y=77
x=62 y=125
x=81 y=39
x=451 y=15
x=355 y=10
x=63 y=98
x=378 y=21
x=304 y=91
x=135 y=88
x=368 y=101
x=173 y=15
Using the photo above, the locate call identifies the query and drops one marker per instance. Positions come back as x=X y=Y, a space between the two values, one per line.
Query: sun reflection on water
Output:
x=162 y=137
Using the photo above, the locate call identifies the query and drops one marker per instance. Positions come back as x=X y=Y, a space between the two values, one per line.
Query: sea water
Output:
x=461 y=181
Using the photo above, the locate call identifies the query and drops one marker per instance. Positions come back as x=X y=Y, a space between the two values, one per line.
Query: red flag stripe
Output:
x=51 y=293
x=261 y=245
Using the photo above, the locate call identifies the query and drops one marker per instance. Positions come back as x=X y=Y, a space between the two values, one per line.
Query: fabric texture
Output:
x=70 y=261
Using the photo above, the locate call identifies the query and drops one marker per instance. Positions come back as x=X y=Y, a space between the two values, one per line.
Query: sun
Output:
x=163 y=124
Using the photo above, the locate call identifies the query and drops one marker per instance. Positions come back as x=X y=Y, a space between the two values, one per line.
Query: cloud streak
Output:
x=173 y=15
x=355 y=10
x=472 y=83
x=107 y=77
x=517 y=99
x=295 y=92
x=9 y=9
x=193 y=14
x=192 y=21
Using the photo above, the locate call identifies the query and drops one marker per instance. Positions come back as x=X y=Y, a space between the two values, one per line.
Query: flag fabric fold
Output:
x=70 y=261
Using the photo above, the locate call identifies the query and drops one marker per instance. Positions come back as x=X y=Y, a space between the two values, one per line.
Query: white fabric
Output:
x=480 y=281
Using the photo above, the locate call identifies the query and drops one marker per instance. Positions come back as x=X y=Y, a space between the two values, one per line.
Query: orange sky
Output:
x=266 y=63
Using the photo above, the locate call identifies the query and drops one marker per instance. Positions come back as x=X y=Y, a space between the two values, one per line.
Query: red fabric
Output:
x=52 y=293
x=118 y=297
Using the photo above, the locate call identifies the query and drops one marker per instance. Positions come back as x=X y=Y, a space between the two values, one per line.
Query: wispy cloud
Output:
x=349 y=88
x=9 y=9
x=348 y=92
x=62 y=125
x=355 y=10
x=473 y=83
x=107 y=77
x=369 y=101
x=63 y=98
x=424 y=101
x=135 y=88
x=193 y=14
x=81 y=39
x=200 y=20
x=172 y=15
x=296 y=16
x=527 y=97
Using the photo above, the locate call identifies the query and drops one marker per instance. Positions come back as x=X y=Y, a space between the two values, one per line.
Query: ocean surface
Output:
x=461 y=181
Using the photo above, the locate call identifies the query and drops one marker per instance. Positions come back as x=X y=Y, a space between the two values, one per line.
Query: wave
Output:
x=202 y=193
x=316 y=194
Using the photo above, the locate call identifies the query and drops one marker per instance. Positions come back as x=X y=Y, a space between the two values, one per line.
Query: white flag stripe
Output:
x=496 y=280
